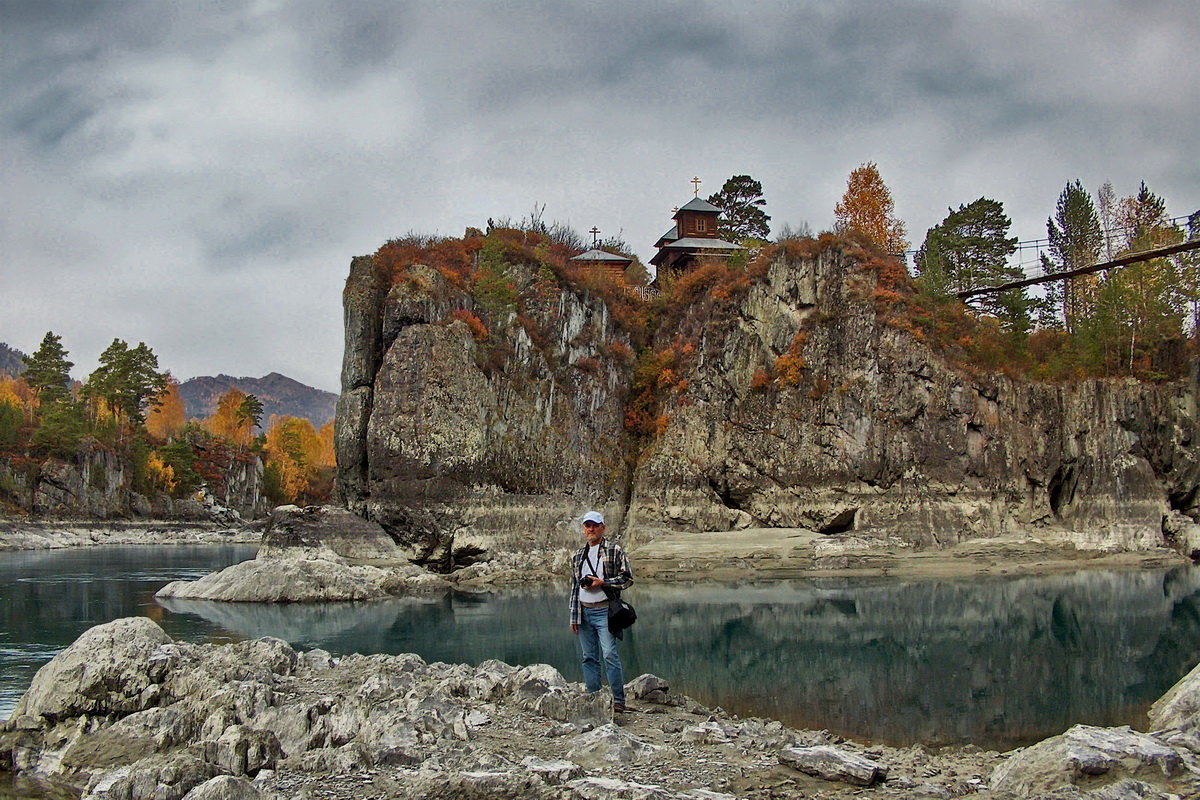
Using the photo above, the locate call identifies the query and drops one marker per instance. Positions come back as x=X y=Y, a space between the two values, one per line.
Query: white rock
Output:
x=105 y=671
x=608 y=744
x=1179 y=708
x=612 y=789
x=1085 y=751
x=224 y=787
x=552 y=772
x=834 y=764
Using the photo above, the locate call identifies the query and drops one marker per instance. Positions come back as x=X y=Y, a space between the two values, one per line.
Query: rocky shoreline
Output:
x=48 y=534
x=125 y=713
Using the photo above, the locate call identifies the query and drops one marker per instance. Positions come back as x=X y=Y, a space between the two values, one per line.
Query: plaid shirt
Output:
x=616 y=570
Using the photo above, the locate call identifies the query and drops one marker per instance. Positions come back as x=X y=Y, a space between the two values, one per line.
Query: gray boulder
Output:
x=1083 y=754
x=834 y=764
x=1179 y=708
x=650 y=688
x=224 y=787
x=609 y=745
x=292 y=530
x=284 y=580
x=107 y=670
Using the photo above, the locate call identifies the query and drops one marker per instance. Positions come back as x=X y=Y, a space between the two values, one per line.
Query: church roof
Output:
x=601 y=255
x=669 y=236
x=696 y=204
x=695 y=243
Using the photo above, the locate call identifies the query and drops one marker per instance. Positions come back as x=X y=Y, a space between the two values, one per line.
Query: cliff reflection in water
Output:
x=997 y=662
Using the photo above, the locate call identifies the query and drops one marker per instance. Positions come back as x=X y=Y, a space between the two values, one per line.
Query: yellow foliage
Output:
x=160 y=474
x=298 y=452
x=227 y=423
x=867 y=207
x=167 y=418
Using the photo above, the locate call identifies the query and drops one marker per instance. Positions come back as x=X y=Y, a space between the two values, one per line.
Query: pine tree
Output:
x=1075 y=241
x=969 y=249
x=741 y=201
x=867 y=207
x=47 y=371
x=127 y=381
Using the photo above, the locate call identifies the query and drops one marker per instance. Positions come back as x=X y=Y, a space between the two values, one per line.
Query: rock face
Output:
x=439 y=444
x=97 y=484
x=320 y=529
x=127 y=713
x=881 y=437
x=868 y=433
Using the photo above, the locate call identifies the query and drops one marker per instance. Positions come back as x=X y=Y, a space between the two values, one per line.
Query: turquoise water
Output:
x=994 y=661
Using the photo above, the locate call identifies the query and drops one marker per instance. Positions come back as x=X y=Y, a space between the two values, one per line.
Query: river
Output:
x=994 y=661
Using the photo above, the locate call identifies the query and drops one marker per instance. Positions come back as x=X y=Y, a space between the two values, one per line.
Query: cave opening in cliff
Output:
x=842 y=522
x=1062 y=490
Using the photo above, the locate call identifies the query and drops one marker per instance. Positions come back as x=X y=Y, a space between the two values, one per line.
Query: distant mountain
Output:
x=12 y=362
x=279 y=394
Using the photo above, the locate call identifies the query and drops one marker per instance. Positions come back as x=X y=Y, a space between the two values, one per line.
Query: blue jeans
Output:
x=594 y=639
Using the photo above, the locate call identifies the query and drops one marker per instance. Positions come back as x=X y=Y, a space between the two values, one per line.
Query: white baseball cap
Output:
x=594 y=516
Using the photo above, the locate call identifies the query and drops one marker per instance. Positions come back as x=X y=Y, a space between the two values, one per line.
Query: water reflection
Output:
x=49 y=597
x=992 y=661
x=995 y=661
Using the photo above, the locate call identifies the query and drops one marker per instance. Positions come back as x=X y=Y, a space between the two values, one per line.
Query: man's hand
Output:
x=574 y=628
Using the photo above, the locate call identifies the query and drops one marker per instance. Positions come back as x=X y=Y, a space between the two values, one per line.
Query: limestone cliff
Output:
x=456 y=438
x=879 y=434
x=797 y=401
x=97 y=483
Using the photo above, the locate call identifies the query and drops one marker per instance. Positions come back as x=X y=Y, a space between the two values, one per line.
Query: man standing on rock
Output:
x=598 y=565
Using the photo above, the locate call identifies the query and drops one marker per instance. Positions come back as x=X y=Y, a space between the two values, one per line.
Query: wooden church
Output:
x=693 y=238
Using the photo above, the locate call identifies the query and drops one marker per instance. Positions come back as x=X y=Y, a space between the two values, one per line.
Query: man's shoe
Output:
x=619 y=708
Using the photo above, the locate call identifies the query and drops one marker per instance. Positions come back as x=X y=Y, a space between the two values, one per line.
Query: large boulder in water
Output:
x=285 y=580
x=300 y=532
x=110 y=669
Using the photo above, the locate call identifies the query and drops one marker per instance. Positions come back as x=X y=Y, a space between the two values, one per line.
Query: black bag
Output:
x=620 y=614
x=622 y=617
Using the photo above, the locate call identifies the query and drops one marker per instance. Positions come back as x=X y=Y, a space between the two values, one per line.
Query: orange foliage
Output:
x=227 y=423
x=479 y=331
x=299 y=455
x=168 y=417
x=18 y=394
x=159 y=474
x=867 y=206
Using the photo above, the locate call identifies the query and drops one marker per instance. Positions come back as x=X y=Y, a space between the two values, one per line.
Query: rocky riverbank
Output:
x=125 y=713
x=44 y=534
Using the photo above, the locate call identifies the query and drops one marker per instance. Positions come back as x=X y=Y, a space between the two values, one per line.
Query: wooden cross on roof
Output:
x=594 y=232
x=696 y=185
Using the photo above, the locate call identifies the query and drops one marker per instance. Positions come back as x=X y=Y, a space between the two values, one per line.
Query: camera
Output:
x=586 y=581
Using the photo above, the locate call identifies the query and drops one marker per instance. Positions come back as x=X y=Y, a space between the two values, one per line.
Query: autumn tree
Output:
x=127 y=381
x=742 y=202
x=297 y=458
x=47 y=371
x=1075 y=240
x=167 y=417
x=867 y=207
x=236 y=416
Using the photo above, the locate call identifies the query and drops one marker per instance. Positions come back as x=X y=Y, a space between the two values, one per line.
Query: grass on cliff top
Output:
x=489 y=274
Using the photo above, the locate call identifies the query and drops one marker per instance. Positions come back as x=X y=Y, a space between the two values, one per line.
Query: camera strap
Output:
x=588 y=558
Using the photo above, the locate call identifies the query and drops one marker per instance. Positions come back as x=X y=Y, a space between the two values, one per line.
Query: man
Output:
x=597 y=566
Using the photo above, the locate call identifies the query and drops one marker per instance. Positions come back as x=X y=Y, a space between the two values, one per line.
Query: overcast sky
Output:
x=198 y=175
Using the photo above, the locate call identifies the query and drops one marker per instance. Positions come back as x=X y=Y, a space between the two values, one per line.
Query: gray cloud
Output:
x=198 y=175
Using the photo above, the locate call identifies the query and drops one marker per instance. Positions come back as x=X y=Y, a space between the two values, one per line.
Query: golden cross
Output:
x=594 y=232
x=696 y=183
